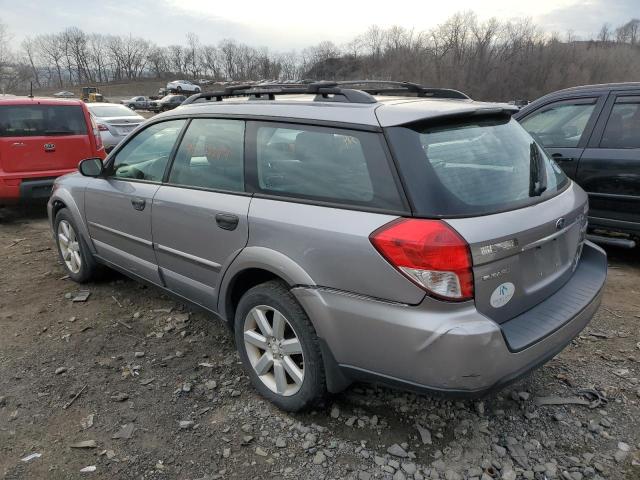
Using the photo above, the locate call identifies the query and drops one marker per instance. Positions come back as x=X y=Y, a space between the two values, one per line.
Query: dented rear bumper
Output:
x=447 y=347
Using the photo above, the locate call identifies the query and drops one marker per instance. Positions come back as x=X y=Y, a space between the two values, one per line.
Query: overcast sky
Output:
x=287 y=24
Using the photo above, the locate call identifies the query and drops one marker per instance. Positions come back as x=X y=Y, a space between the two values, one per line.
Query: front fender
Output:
x=264 y=259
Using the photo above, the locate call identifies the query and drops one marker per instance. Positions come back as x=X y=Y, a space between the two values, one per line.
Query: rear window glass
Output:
x=327 y=164
x=474 y=167
x=41 y=120
x=112 y=111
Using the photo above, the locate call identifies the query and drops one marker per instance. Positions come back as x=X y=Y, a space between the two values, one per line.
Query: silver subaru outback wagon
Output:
x=383 y=232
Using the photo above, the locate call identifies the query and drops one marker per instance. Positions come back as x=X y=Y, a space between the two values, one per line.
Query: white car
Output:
x=183 y=86
x=114 y=122
x=64 y=94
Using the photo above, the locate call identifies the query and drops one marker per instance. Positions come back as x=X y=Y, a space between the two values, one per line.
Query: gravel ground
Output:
x=131 y=384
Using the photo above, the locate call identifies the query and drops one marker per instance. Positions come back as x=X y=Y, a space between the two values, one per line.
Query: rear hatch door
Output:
x=523 y=256
x=522 y=217
x=37 y=137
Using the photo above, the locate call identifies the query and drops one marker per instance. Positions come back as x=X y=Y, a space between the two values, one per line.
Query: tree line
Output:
x=493 y=60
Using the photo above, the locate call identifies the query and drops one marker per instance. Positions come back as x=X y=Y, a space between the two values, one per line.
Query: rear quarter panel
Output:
x=330 y=245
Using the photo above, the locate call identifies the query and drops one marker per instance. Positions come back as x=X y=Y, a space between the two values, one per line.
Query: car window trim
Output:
x=174 y=151
x=322 y=203
x=597 y=100
x=252 y=183
x=607 y=110
x=108 y=164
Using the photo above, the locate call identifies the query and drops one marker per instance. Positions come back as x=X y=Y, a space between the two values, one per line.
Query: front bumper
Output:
x=447 y=347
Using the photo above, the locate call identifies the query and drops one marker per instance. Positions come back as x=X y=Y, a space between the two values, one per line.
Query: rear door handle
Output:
x=558 y=157
x=227 y=221
x=138 y=203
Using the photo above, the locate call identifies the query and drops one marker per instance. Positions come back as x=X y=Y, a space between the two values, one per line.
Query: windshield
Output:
x=473 y=166
x=112 y=111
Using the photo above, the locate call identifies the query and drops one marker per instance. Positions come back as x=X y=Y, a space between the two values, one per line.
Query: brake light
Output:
x=102 y=128
x=96 y=134
x=430 y=253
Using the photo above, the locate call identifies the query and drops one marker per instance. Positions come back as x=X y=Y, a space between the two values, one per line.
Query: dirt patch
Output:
x=133 y=357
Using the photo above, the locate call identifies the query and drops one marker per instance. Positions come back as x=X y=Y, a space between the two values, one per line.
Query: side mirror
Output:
x=91 y=167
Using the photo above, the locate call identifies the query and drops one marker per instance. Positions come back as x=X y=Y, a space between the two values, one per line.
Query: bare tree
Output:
x=604 y=35
x=462 y=52
x=6 y=57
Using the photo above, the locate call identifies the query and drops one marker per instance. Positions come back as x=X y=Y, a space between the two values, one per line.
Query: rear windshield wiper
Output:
x=58 y=132
x=537 y=171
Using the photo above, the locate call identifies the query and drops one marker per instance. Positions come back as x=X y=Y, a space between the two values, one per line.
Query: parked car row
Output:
x=410 y=226
x=372 y=240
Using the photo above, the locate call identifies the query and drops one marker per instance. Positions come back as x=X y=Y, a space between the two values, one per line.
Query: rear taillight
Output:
x=102 y=128
x=96 y=134
x=430 y=253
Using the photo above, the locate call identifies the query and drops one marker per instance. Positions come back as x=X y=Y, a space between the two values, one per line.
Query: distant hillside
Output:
x=111 y=91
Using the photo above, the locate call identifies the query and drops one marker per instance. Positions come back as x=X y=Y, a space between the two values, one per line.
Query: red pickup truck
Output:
x=41 y=139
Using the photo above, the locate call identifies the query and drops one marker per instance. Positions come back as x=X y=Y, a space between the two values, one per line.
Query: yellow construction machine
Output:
x=92 y=95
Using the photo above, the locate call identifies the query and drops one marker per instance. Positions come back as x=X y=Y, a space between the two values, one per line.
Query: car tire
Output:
x=132 y=106
x=278 y=382
x=75 y=256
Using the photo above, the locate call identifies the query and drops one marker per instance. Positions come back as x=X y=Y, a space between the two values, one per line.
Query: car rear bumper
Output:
x=28 y=189
x=446 y=347
x=109 y=140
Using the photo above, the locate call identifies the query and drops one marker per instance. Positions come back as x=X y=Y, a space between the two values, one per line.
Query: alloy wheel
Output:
x=69 y=246
x=274 y=350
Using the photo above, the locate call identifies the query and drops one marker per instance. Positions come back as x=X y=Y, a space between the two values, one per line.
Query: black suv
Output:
x=168 y=102
x=593 y=132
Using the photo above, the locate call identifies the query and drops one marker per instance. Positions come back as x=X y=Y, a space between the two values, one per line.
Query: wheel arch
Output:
x=62 y=198
x=256 y=265
x=253 y=266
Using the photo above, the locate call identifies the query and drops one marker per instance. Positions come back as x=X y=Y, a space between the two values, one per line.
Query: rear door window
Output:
x=324 y=164
x=41 y=120
x=473 y=167
x=623 y=125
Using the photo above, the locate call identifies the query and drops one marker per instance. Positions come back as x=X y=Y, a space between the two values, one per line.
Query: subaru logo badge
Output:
x=560 y=224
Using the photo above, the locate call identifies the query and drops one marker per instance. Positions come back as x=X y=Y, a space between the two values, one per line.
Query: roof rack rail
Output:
x=324 y=92
x=399 y=88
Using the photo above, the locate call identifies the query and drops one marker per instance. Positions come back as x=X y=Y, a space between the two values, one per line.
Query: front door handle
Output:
x=227 y=221
x=558 y=157
x=138 y=203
